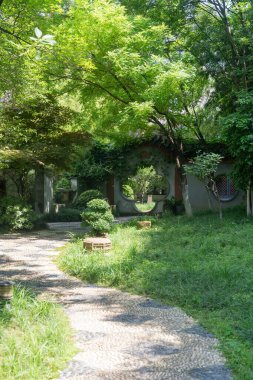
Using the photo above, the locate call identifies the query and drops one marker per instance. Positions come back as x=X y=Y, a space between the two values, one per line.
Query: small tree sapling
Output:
x=203 y=167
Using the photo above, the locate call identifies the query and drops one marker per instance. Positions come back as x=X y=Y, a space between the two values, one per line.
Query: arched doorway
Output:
x=144 y=181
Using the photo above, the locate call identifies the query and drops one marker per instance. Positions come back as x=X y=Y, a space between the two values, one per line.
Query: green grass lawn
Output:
x=145 y=207
x=35 y=339
x=203 y=265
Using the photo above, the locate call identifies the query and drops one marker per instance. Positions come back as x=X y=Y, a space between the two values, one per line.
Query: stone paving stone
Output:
x=119 y=336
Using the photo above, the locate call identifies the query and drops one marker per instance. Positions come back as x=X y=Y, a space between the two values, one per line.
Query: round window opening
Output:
x=146 y=187
x=225 y=188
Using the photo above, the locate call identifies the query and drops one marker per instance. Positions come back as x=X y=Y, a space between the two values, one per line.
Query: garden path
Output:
x=119 y=336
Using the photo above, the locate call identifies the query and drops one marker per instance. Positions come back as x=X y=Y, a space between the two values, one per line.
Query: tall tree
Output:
x=37 y=134
x=223 y=45
x=218 y=33
x=36 y=130
x=132 y=81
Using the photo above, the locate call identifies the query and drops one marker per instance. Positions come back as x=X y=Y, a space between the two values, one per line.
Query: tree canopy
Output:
x=179 y=70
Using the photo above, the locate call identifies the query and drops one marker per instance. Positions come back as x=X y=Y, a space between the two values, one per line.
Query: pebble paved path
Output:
x=119 y=336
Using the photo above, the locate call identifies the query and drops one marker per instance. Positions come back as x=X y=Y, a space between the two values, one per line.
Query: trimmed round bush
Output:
x=98 y=215
x=85 y=197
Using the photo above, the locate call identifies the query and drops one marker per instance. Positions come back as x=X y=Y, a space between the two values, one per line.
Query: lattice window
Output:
x=226 y=188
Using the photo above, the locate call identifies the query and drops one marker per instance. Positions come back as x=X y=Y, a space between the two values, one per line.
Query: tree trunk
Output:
x=210 y=203
x=185 y=192
x=186 y=199
x=184 y=185
x=249 y=201
x=216 y=193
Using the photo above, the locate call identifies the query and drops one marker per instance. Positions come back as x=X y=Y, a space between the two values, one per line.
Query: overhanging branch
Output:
x=94 y=84
x=6 y=31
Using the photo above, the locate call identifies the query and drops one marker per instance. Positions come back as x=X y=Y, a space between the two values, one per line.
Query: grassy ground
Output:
x=145 y=207
x=203 y=265
x=35 y=339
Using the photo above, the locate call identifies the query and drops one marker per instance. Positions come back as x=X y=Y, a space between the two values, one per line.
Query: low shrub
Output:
x=85 y=197
x=98 y=215
x=174 y=205
x=64 y=215
x=10 y=201
x=16 y=214
x=19 y=217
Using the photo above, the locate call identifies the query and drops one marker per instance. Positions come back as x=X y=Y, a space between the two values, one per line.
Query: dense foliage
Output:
x=128 y=191
x=85 y=197
x=178 y=69
x=16 y=214
x=143 y=182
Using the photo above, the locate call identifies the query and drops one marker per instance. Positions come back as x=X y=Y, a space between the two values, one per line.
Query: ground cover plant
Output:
x=204 y=265
x=35 y=339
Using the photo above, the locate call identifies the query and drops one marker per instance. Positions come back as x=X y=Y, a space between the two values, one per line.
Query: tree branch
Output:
x=105 y=69
x=6 y=31
x=105 y=90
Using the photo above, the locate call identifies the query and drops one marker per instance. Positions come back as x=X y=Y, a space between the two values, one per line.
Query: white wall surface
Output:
x=198 y=194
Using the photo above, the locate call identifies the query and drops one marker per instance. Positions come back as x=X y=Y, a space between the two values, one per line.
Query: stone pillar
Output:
x=110 y=190
x=39 y=189
x=43 y=191
x=48 y=192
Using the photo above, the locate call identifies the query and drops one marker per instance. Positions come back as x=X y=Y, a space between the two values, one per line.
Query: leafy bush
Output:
x=85 y=197
x=10 y=201
x=98 y=215
x=19 y=217
x=128 y=191
x=64 y=215
x=62 y=183
x=16 y=214
x=174 y=205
